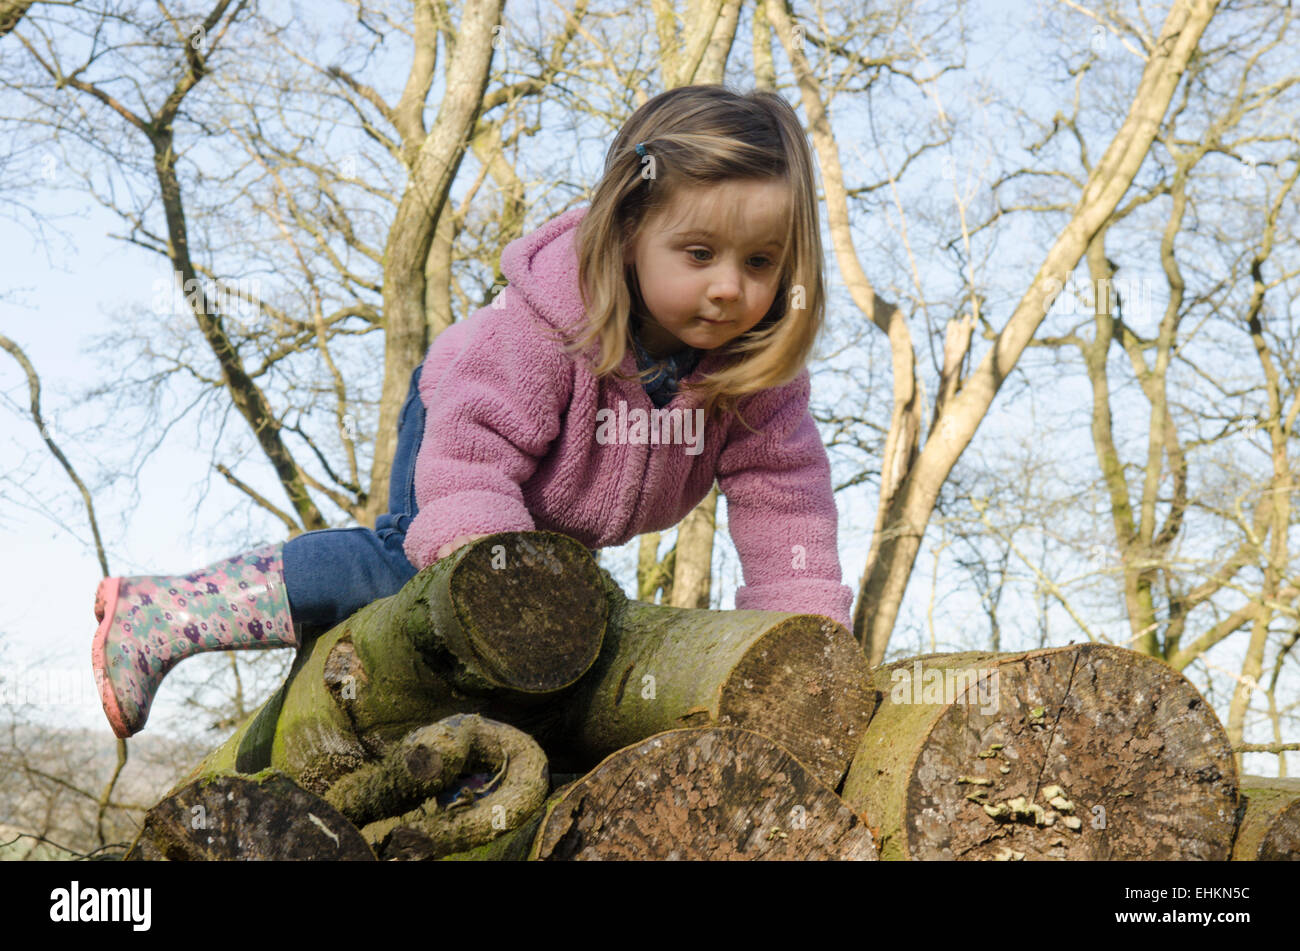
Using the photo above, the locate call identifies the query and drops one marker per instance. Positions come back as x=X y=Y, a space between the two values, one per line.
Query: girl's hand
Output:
x=455 y=544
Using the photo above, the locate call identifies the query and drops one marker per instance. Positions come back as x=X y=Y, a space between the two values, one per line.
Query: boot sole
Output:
x=106 y=594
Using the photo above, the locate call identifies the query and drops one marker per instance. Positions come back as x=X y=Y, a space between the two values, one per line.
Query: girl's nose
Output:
x=725 y=285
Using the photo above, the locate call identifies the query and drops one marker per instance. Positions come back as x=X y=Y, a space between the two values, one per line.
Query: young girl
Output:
x=646 y=345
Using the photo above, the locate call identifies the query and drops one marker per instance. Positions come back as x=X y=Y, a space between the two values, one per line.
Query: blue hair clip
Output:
x=640 y=149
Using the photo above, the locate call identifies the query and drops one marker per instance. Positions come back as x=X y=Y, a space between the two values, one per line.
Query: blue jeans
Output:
x=331 y=574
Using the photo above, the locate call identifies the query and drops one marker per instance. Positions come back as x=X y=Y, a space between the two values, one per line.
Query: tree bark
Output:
x=233 y=817
x=515 y=845
x=1087 y=752
x=1269 y=826
x=701 y=794
x=799 y=679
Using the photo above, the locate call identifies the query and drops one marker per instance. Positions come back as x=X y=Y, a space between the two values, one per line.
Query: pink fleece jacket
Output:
x=520 y=437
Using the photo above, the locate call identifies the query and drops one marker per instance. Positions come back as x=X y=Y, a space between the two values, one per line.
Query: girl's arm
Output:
x=780 y=507
x=492 y=411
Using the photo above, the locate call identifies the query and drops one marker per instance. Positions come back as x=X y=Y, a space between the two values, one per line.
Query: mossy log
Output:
x=1079 y=752
x=704 y=793
x=503 y=782
x=499 y=626
x=1268 y=829
x=423 y=764
x=800 y=679
x=266 y=816
x=517 y=844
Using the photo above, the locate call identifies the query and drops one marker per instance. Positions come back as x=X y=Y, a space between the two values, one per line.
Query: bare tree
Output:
x=1185 y=545
x=912 y=476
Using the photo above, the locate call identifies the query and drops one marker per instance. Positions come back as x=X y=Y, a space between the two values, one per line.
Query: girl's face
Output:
x=707 y=268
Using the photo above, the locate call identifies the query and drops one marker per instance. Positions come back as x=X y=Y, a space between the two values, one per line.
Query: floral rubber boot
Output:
x=149 y=623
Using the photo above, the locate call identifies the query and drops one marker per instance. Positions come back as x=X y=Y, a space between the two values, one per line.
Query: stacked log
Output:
x=454 y=785
x=430 y=722
x=1079 y=752
x=799 y=679
x=1268 y=827
x=365 y=718
x=710 y=793
x=486 y=629
x=266 y=817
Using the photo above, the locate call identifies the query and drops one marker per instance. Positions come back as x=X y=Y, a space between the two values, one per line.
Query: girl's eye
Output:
x=767 y=262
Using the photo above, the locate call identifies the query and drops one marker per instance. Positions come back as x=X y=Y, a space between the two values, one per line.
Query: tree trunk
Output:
x=701 y=794
x=410 y=237
x=653 y=575
x=232 y=817
x=800 y=679
x=1087 y=752
x=693 y=567
x=1269 y=827
x=485 y=629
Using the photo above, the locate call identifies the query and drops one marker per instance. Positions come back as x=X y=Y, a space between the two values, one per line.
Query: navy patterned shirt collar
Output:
x=661 y=385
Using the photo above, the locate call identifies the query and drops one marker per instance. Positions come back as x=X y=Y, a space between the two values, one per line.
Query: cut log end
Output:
x=1088 y=752
x=805 y=684
x=526 y=606
x=1282 y=842
x=265 y=817
x=1269 y=830
x=711 y=793
x=800 y=679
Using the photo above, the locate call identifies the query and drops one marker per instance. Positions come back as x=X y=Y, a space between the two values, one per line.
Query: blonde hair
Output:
x=699 y=136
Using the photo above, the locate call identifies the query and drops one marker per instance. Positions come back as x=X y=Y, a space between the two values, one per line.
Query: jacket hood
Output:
x=543 y=268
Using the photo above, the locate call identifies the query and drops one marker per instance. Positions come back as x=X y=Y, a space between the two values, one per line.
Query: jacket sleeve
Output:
x=491 y=414
x=780 y=507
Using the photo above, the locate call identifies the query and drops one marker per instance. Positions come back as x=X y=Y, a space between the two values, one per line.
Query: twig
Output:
x=259 y=499
x=34 y=389
x=1265 y=747
x=105 y=798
